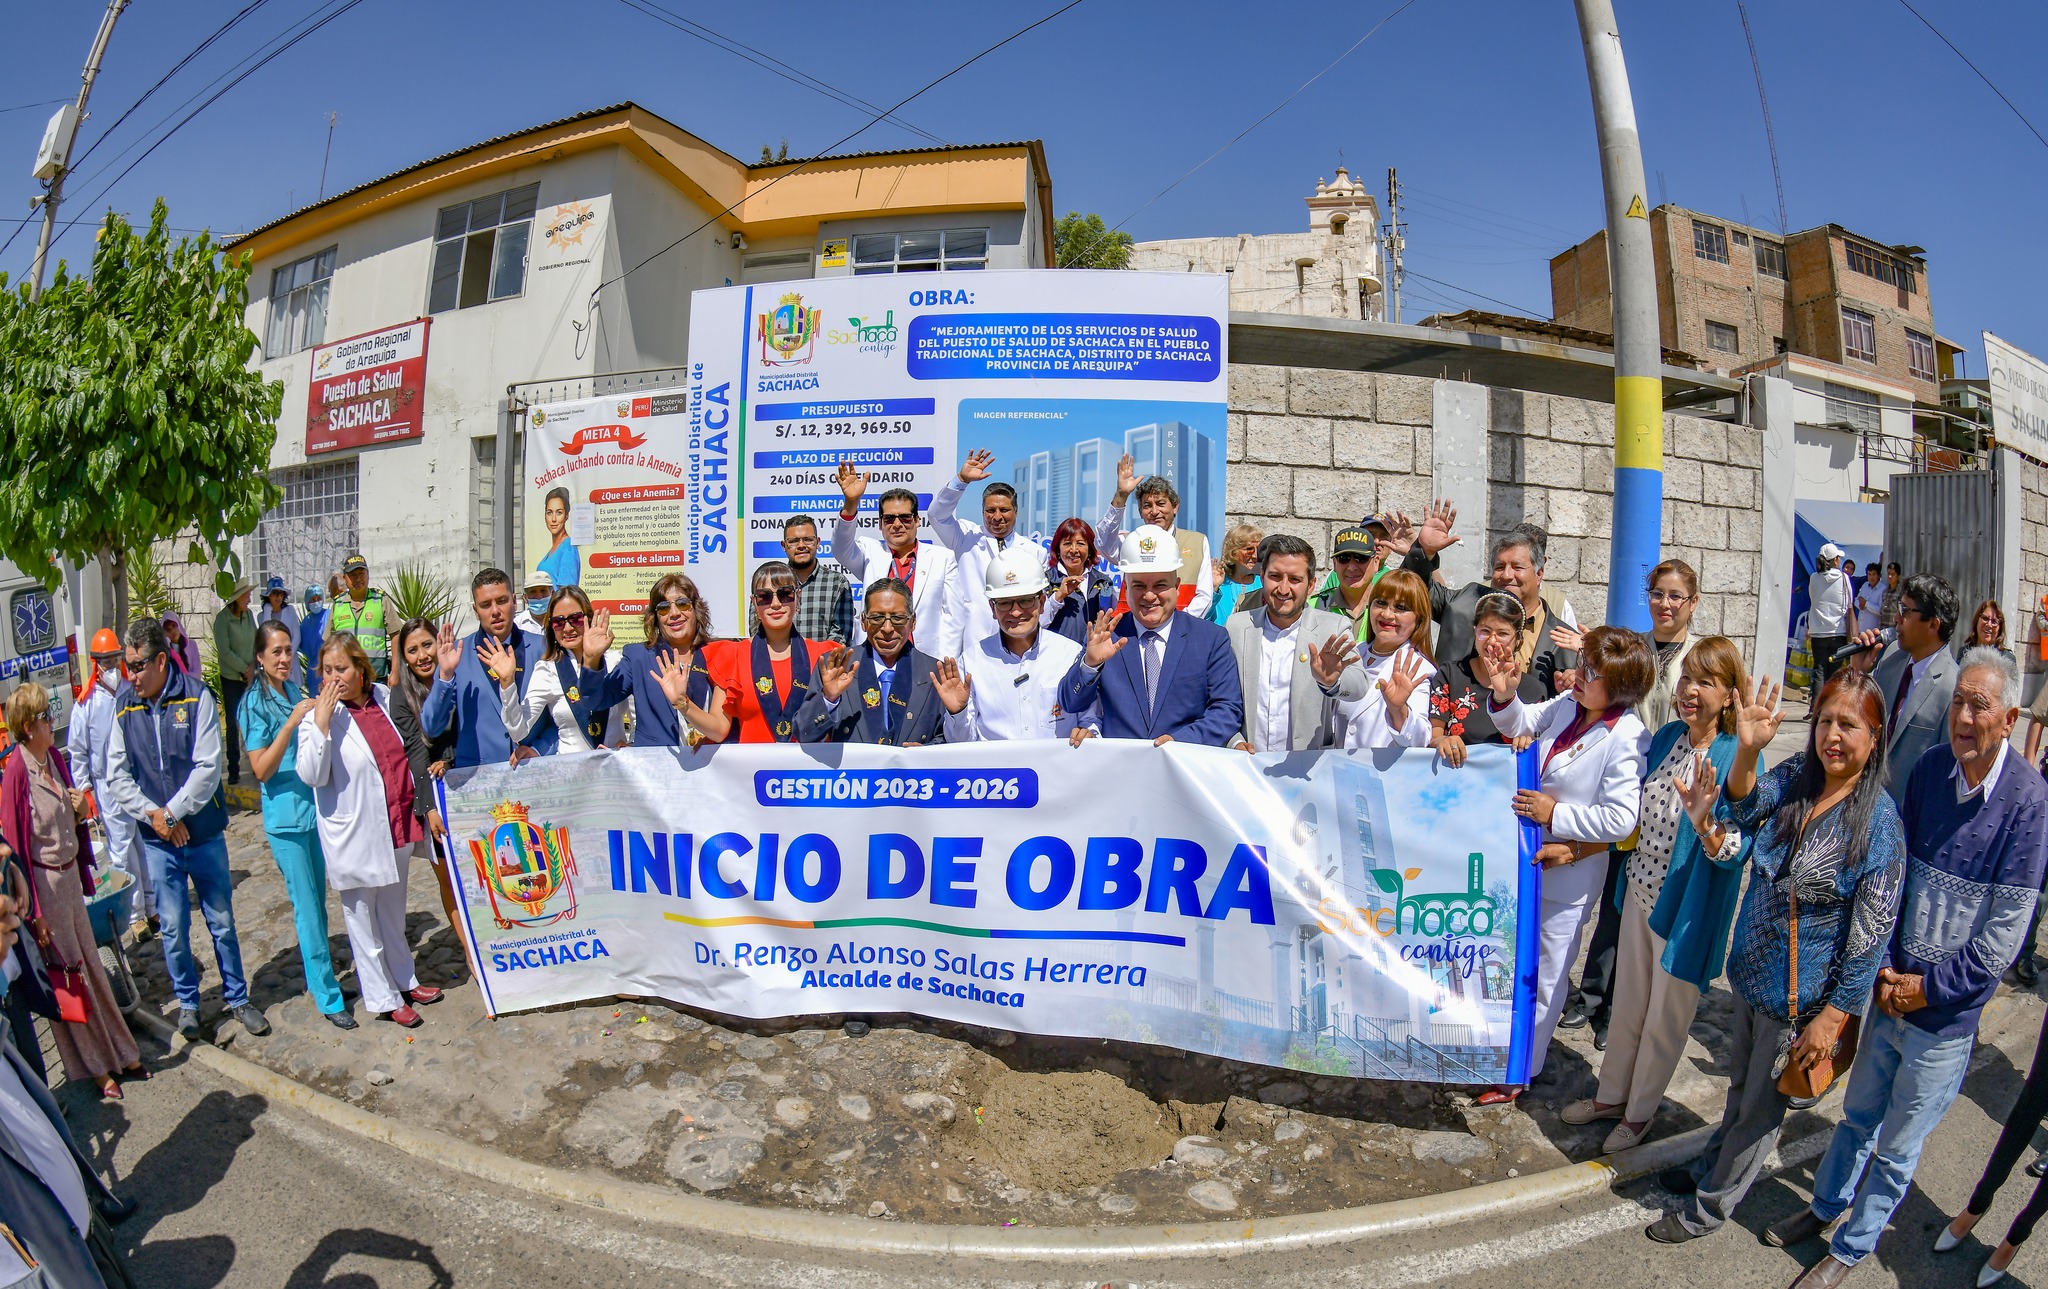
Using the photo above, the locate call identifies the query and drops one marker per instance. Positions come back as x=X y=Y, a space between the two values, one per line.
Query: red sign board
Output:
x=368 y=389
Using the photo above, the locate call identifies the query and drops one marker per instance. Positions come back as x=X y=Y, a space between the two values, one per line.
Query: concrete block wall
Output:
x=1313 y=450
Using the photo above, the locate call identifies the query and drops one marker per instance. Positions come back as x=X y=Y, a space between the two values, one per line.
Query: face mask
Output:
x=537 y=607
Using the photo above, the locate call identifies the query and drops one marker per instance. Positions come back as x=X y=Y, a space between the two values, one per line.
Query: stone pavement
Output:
x=917 y=1119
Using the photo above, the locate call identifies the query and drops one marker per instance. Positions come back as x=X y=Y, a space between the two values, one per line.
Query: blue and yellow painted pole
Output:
x=1637 y=531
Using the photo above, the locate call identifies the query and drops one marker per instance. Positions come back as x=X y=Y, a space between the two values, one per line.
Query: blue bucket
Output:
x=109 y=906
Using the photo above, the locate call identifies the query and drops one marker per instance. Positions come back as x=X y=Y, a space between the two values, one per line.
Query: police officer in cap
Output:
x=360 y=613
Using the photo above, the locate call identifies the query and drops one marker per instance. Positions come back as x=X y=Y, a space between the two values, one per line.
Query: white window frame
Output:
x=925 y=250
x=496 y=227
x=1865 y=327
x=298 y=304
x=1918 y=346
x=1709 y=242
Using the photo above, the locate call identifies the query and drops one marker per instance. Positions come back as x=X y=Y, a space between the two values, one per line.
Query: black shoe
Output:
x=1804 y=1103
x=2026 y=972
x=1803 y=1225
x=340 y=1020
x=113 y=1207
x=188 y=1024
x=251 y=1019
x=1679 y=1181
x=856 y=1028
x=1574 y=1018
x=1600 y=1039
x=2039 y=1168
x=349 y=991
x=1669 y=1230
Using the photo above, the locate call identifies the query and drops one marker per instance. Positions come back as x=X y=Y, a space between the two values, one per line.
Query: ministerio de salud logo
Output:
x=525 y=869
x=788 y=333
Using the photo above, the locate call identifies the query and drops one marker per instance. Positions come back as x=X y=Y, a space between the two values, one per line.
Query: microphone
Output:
x=1851 y=649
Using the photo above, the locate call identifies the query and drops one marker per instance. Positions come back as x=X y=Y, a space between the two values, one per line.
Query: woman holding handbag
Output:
x=1827 y=867
x=40 y=817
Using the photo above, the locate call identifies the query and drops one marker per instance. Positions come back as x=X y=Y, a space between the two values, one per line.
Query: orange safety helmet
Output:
x=104 y=643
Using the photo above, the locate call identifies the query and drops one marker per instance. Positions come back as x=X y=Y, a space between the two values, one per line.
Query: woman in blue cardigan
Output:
x=1680 y=899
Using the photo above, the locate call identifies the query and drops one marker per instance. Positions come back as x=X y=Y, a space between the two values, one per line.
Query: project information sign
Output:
x=625 y=488
x=368 y=389
x=1058 y=372
x=1370 y=914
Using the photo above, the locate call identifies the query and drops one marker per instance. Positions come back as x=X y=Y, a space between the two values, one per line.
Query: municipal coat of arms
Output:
x=788 y=332
x=523 y=868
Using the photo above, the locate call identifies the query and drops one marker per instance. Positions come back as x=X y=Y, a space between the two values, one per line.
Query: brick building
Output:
x=1738 y=295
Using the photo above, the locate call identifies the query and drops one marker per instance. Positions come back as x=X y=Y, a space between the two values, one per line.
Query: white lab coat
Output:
x=969 y=620
x=1365 y=721
x=348 y=794
x=866 y=560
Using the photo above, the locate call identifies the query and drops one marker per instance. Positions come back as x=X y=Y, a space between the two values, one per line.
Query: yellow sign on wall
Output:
x=834 y=254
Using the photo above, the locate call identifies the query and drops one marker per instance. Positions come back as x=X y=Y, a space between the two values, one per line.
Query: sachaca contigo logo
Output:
x=873 y=337
x=523 y=868
x=788 y=333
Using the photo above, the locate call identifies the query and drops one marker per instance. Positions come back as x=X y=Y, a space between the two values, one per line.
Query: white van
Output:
x=36 y=644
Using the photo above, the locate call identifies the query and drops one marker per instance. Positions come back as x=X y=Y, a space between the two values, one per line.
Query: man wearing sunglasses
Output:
x=925 y=567
x=466 y=692
x=1917 y=675
x=893 y=700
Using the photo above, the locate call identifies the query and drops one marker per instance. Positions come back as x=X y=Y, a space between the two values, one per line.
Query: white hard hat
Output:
x=1148 y=549
x=1016 y=572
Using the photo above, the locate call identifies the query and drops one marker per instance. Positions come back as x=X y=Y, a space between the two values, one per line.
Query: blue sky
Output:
x=1481 y=104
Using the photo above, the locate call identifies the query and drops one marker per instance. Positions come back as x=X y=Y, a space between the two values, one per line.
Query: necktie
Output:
x=885 y=680
x=1899 y=698
x=1151 y=646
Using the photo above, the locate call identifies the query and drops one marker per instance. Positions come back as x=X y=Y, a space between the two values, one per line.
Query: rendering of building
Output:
x=1080 y=479
x=1330 y=271
x=565 y=252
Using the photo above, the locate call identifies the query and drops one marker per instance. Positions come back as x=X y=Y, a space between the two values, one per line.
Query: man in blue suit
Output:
x=466 y=692
x=1179 y=682
x=893 y=701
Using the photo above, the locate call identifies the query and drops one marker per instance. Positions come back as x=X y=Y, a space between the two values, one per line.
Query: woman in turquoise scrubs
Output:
x=561 y=562
x=270 y=715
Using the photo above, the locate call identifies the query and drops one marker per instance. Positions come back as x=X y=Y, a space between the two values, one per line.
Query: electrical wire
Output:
x=771 y=64
x=1536 y=225
x=23 y=107
x=245 y=74
x=1980 y=72
x=832 y=147
x=176 y=67
x=1466 y=290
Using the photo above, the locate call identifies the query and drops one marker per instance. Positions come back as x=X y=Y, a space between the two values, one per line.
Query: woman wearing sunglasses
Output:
x=556 y=687
x=777 y=668
x=679 y=691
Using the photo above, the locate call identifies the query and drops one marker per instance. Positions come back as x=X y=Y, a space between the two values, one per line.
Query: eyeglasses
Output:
x=1668 y=597
x=890 y=521
x=1588 y=676
x=887 y=619
x=1916 y=611
x=775 y=595
x=1350 y=558
x=662 y=607
x=561 y=620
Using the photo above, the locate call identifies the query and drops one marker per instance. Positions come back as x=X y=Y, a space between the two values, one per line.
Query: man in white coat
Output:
x=974 y=547
x=925 y=567
x=86 y=744
x=1006 y=685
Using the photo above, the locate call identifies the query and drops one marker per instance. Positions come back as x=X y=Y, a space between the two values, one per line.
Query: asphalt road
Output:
x=237 y=1192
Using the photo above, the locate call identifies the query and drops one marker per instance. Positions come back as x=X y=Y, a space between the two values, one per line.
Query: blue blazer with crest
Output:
x=1199 y=698
x=915 y=713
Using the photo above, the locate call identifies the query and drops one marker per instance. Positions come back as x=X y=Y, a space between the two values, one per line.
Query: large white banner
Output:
x=1370 y=914
x=2019 y=397
x=1058 y=372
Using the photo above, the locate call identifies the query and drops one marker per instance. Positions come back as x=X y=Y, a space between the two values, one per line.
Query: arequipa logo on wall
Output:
x=1346 y=913
x=1059 y=372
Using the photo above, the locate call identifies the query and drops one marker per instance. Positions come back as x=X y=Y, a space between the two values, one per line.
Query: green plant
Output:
x=1085 y=242
x=417 y=591
x=148 y=594
x=1323 y=1058
x=129 y=412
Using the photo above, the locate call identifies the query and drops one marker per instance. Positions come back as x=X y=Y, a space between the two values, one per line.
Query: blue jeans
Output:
x=305 y=878
x=205 y=865
x=1902 y=1083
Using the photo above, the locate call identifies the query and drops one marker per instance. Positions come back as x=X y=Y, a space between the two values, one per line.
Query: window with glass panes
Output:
x=1770 y=259
x=1920 y=355
x=941 y=248
x=298 y=304
x=1847 y=405
x=1723 y=337
x=1859 y=334
x=480 y=250
x=1710 y=242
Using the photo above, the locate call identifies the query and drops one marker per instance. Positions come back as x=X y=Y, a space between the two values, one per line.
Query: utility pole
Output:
x=1638 y=356
x=331 y=116
x=1397 y=241
x=55 y=195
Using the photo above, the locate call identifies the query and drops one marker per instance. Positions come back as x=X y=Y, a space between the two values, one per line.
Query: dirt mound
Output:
x=1060 y=1132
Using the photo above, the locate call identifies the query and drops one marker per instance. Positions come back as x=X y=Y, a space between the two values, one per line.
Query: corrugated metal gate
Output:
x=1946 y=524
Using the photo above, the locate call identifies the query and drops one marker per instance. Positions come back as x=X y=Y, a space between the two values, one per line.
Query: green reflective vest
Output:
x=366 y=624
